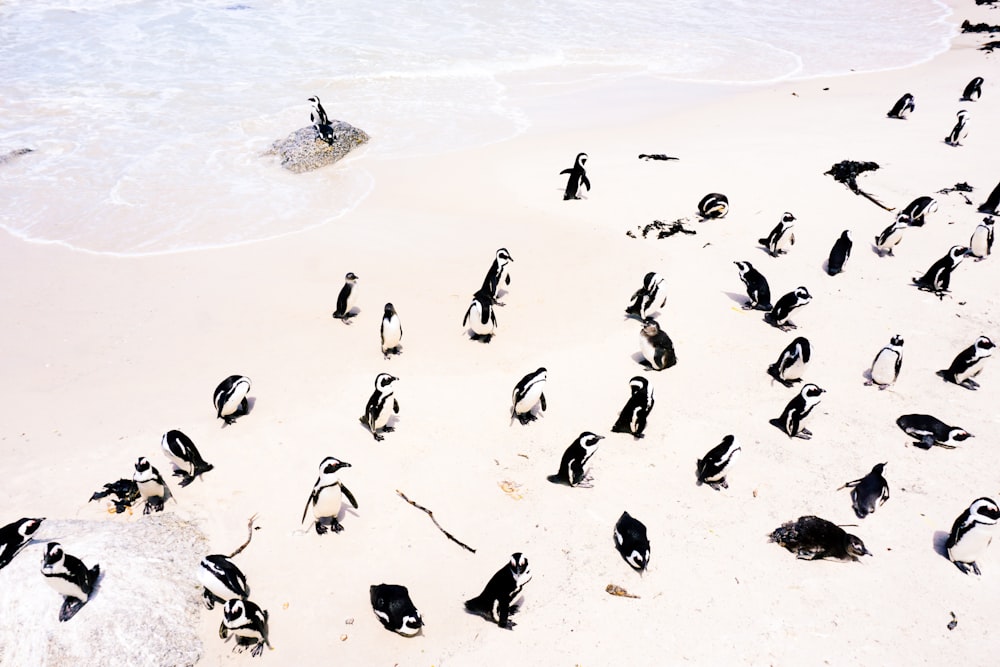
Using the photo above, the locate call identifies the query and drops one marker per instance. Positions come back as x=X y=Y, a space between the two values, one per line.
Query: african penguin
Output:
x=320 y=121
x=382 y=404
x=781 y=237
x=971 y=533
x=651 y=296
x=528 y=393
x=903 y=106
x=792 y=362
x=15 y=536
x=221 y=580
x=152 y=488
x=327 y=495
x=656 y=346
x=346 y=298
x=890 y=237
x=778 y=316
x=981 y=243
x=715 y=465
x=394 y=609
x=631 y=542
x=69 y=577
x=758 y=290
x=713 y=205
x=960 y=131
x=840 y=253
x=869 y=492
x=930 y=431
x=391 y=331
x=186 y=458
x=230 y=398
x=632 y=418
x=973 y=90
x=888 y=361
x=497 y=275
x=572 y=467
x=915 y=213
x=496 y=602
x=577 y=177
x=797 y=410
x=480 y=317
x=247 y=622
x=812 y=538
x=992 y=203
x=937 y=278
x=969 y=363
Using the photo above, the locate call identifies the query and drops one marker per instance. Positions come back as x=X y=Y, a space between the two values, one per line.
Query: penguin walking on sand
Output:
x=221 y=580
x=713 y=206
x=395 y=610
x=496 y=602
x=971 y=534
x=320 y=122
x=497 y=275
x=327 y=495
x=632 y=418
x=779 y=314
x=70 y=578
x=230 y=398
x=656 y=346
x=16 y=536
x=930 y=431
x=796 y=412
x=869 y=492
x=152 y=488
x=903 y=107
x=973 y=90
x=346 y=299
x=382 y=405
x=969 y=363
x=781 y=238
x=840 y=253
x=937 y=278
x=577 y=177
x=758 y=291
x=651 y=296
x=572 y=467
x=915 y=213
x=890 y=237
x=960 y=131
x=391 y=331
x=187 y=460
x=631 y=542
x=792 y=362
x=247 y=623
x=981 y=243
x=528 y=394
x=480 y=317
x=888 y=361
x=813 y=538
x=715 y=465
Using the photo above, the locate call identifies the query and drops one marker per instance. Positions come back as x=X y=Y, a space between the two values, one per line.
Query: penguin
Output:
x=792 y=362
x=915 y=213
x=869 y=492
x=320 y=121
x=969 y=363
x=888 y=361
x=480 y=317
x=758 y=290
x=971 y=534
x=960 y=131
x=327 y=495
x=497 y=274
x=713 y=206
x=651 y=296
x=813 y=538
x=656 y=346
x=781 y=237
x=715 y=465
x=346 y=298
x=890 y=237
x=496 y=602
x=577 y=177
x=633 y=416
x=230 y=398
x=903 y=106
x=247 y=622
x=382 y=404
x=16 y=536
x=631 y=542
x=221 y=580
x=778 y=316
x=186 y=458
x=393 y=607
x=69 y=577
x=528 y=393
x=797 y=410
x=973 y=90
x=981 y=243
x=391 y=331
x=930 y=431
x=840 y=253
x=572 y=467
x=937 y=278
x=992 y=204
x=152 y=488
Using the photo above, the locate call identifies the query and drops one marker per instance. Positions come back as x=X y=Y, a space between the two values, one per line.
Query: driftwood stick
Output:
x=249 y=536
x=431 y=515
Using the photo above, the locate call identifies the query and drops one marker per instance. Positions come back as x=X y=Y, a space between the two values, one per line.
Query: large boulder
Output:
x=303 y=151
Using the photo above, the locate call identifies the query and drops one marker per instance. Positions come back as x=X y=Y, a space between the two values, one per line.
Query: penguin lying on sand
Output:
x=813 y=538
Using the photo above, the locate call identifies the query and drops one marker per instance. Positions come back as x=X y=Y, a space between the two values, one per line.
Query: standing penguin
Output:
x=69 y=577
x=382 y=404
x=713 y=468
x=346 y=298
x=391 y=331
x=888 y=361
x=320 y=122
x=395 y=610
x=631 y=542
x=656 y=346
x=230 y=398
x=572 y=467
x=15 y=536
x=151 y=486
x=221 y=580
x=796 y=412
x=327 y=495
x=971 y=533
x=960 y=131
x=930 y=431
x=903 y=106
x=758 y=290
x=247 y=622
x=713 y=205
x=781 y=237
x=915 y=213
x=778 y=316
x=868 y=492
x=632 y=418
x=528 y=393
x=973 y=90
x=840 y=253
x=186 y=458
x=577 y=177
x=969 y=363
x=981 y=243
x=496 y=602
x=497 y=274
x=792 y=362
x=480 y=317
x=813 y=538
x=890 y=237
x=651 y=296
x=937 y=279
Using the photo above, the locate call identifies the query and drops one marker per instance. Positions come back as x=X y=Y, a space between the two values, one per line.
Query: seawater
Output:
x=147 y=118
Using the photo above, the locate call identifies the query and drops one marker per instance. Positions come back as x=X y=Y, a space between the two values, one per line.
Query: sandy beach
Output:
x=102 y=355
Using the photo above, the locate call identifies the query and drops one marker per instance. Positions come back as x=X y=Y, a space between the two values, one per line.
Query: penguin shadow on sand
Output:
x=740 y=298
x=939 y=544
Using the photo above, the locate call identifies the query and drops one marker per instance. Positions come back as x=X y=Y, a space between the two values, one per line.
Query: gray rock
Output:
x=10 y=155
x=303 y=151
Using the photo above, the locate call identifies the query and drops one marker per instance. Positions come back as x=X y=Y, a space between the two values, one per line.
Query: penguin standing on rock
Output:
x=631 y=542
x=15 y=536
x=915 y=213
x=572 y=467
x=981 y=243
x=480 y=317
x=778 y=316
x=930 y=431
x=395 y=610
x=69 y=577
x=496 y=602
x=903 y=106
x=868 y=492
x=713 y=206
x=888 y=361
x=969 y=363
x=813 y=538
x=973 y=90
x=577 y=177
x=972 y=533
x=713 y=468
x=346 y=298
x=221 y=580
x=651 y=296
x=937 y=279
x=840 y=253
x=781 y=238
x=321 y=123
x=758 y=290
x=656 y=346
x=960 y=131
x=382 y=404
x=528 y=393
x=186 y=458
x=327 y=495
x=796 y=412
x=890 y=237
x=633 y=416
x=230 y=398
x=247 y=622
x=151 y=486
x=792 y=362
x=391 y=331
x=497 y=274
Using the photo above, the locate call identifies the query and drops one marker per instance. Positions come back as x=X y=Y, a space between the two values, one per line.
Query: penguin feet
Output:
x=335 y=525
x=388 y=429
x=787 y=326
x=378 y=437
x=804 y=433
x=970 y=384
x=185 y=478
x=210 y=599
x=964 y=567
x=320 y=528
x=72 y=605
x=153 y=505
x=526 y=417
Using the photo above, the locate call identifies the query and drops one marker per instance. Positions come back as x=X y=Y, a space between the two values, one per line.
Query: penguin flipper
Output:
x=585 y=181
x=541 y=400
x=566 y=171
x=69 y=608
x=848 y=485
x=395 y=406
x=465 y=320
x=350 y=496
x=310 y=501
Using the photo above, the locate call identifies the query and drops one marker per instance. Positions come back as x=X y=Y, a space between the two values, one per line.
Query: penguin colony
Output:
x=808 y=537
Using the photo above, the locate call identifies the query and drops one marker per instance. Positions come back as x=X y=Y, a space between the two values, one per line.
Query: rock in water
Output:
x=303 y=151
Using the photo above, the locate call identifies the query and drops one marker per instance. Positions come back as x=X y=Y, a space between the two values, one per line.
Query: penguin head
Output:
x=29 y=527
x=811 y=391
x=983 y=344
x=519 y=564
x=802 y=295
x=411 y=624
x=232 y=612
x=959 y=434
x=589 y=440
x=390 y=310
x=650 y=327
x=984 y=510
x=963 y=115
x=142 y=465
x=383 y=380
x=957 y=252
x=896 y=340
x=331 y=465
x=879 y=468
x=637 y=384
x=581 y=159
x=350 y=277
x=503 y=256
x=855 y=547
x=53 y=554
x=315 y=100
x=743 y=267
x=787 y=218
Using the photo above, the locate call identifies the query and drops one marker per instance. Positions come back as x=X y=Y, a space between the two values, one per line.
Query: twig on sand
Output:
x=431 y=515
x=249 y=536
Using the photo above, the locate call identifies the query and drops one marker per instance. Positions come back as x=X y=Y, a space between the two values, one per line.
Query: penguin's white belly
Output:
x=382 y=418
x=476 y=321
x=785 y=241
x=884 y=368
x=973 y=545
x=648 y=350
x=328 y=503
x=392 y=333
x=978 y=244
x=892 y=240
x=971 y=372
x=232 y=404
x=150 y=488
x=795 y=371
x=530 y=399
x=66 y=588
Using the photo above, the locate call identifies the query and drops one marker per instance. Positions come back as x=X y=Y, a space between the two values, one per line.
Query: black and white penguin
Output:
x=930 y=431
x=890 y=237
x=781 y=237
x=528 y=393
x=577 y=177
x=869 y=492
x=346 y=299
x=69 y=577
x=631 y=542
x=778 y=316
x=651 y=296
x=632 y=418
x=382 y=404
x=992 y=204
x=796 y=412
x=981 y=243
x=656 y=346
x=903 y=106
x=247 y=623
x=394 y=608
x=792 y=362
x=230 y=398
x=186 y=458
x=152 y=488
x=221 y=580
x=497 y=275
x=973 y=90
x=713 y=205
x=969 y=363
x=496 y=602
x=888 y=361
x=758 y=290
x=840 y=253
x=480 y=317
x=813 y=538
x=915 y=213
x=572 y=467
x=715 y=465
x=327 y=495
x=15 y=536
x=960 y=131
x=320 y=121
x=391 y=331
x=971 y=534
x=937 y=278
